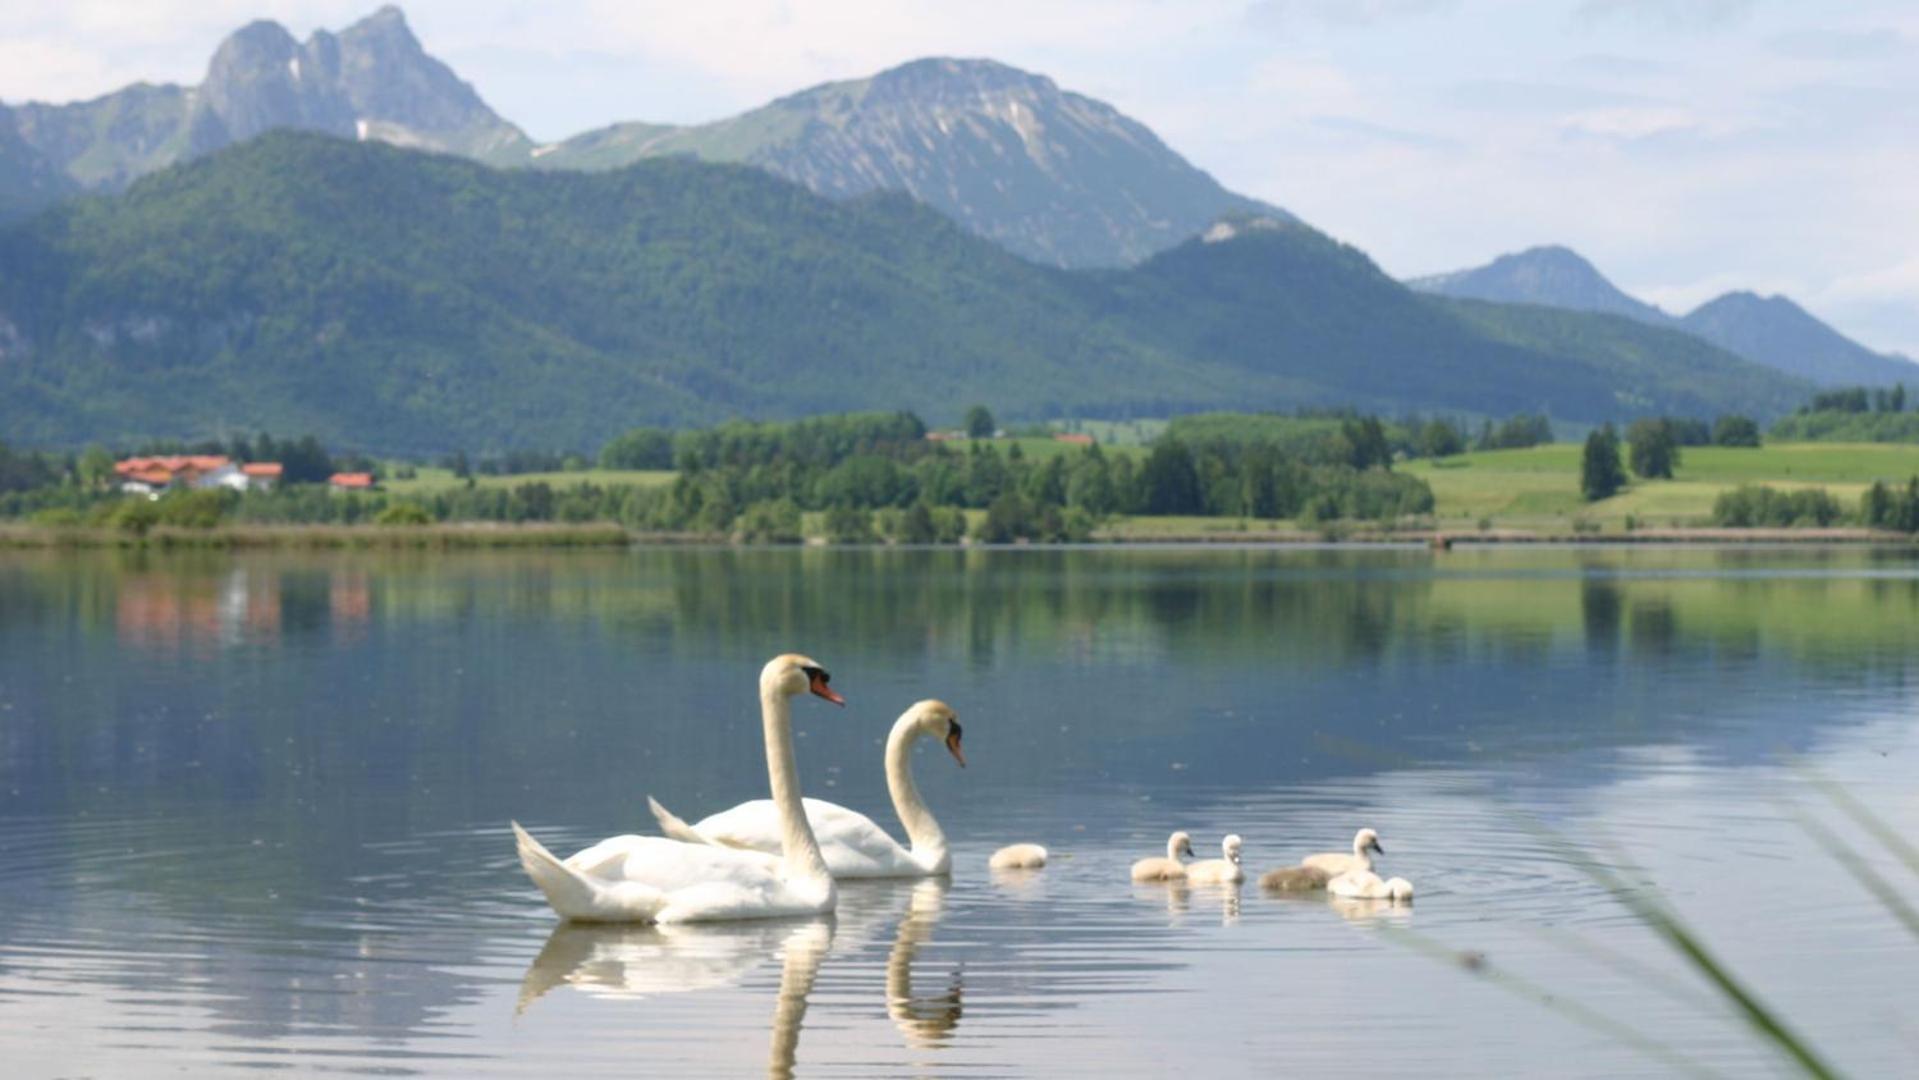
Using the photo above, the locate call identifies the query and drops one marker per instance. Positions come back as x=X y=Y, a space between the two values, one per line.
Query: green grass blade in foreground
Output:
x=1862 y=872
x=1866 y=819
x=1675 y=933
x=1478 y=965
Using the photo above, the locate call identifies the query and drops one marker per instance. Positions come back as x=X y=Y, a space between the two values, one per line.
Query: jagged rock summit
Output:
x=372 y=80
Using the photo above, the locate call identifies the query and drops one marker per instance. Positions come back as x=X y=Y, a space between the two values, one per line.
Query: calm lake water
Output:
x=253 y=808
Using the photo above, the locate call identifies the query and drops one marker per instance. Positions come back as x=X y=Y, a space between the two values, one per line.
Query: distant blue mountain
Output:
x=1772 y=331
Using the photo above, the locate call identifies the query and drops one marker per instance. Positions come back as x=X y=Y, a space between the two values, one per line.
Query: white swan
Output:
x=650 y=879
x=1365 y=843
x=853 y=846
x=1167 y=867
x=1366 y=885
x=1018 y=857
x=1224 y=871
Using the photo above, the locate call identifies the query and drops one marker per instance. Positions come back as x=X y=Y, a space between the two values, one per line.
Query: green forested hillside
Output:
x=403 y=302
x=1641 y=364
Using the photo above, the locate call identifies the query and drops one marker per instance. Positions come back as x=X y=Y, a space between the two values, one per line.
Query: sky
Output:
x=1686 y=147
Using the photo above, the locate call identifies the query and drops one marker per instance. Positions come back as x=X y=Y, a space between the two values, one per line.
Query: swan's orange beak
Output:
x=953 y=746
x=817 y=684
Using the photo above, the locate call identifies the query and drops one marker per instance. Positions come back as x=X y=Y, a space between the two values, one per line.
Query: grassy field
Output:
x=1539 y=487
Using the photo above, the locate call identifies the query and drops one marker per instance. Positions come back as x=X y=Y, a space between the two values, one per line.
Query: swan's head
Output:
x=1230 y=848
x=1367 y=841
x=793 y=675
x=938 y=720
x=1399 y=889
x=1179 y=844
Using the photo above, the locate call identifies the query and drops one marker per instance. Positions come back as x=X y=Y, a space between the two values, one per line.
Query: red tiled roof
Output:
x=351 y=479
x=172 y=463
x=263 y=468
x=1076 y=438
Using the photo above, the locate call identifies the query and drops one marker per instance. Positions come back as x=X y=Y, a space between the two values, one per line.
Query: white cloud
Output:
x=1631 y=122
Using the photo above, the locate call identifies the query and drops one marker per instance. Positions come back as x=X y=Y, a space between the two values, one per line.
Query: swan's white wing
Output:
x=853 y=845
x=1360 y=884
x=671 y=866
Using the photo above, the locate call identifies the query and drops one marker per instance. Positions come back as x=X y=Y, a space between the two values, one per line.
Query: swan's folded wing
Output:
x=848 y=838
x=670 y=866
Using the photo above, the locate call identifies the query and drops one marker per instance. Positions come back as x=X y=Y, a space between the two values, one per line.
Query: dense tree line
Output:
x=1852 y=414
x=1750 y=505
x=1858 y=399
x=871 y=475
x=1894 y=506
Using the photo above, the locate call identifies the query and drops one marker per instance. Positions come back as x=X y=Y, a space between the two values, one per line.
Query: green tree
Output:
x=96 y=467
x=774 y=521
x=1600 y=474
x=1009 y=518
x=1441 y=438
x=1655 y=448
x=640 y=448
x=914 y=525
x=1735 y=431
x=403 y=513
x=849 y=525
x=979 y=423
x=1169 y=483
x=1089 y=483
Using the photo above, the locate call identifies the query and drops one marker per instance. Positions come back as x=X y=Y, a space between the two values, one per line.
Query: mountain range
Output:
x=1140 y=286
x=1051 y=175
x=406 y=302
x=1770 y=330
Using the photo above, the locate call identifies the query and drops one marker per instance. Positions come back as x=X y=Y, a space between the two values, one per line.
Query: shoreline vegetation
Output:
x=1146 y=532
x=866 y=479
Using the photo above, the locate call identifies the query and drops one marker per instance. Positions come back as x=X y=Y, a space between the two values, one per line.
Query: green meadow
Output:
x=1538 y=487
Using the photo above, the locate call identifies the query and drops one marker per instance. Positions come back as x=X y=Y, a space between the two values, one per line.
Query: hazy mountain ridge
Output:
x=1551 y=275
x=412 y=303
x=1775 y=331
x=1772 y=331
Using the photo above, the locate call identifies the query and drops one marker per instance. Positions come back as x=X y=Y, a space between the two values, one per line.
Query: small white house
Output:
x=152 y=475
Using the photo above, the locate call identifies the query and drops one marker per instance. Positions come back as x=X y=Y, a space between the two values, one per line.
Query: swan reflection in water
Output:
x=1180 y=899
x=1364 y=912
x=925 y=1021
x=1381 y=911
x=634 y=962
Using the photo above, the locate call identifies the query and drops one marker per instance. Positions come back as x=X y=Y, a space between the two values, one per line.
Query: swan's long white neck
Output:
x=929 y=843
x=800 y=851
x=1362 y=856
